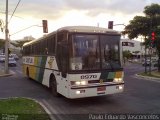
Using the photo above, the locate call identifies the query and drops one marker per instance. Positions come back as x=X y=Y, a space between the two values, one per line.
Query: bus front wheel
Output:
x=53 y=86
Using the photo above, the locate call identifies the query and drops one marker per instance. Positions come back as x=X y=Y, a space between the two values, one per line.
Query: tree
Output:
x=138 y=26
x=152 y=10
x=145 y=25
x=127 y=54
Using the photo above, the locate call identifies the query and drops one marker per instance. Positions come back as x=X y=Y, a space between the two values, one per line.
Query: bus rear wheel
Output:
x=53 y=86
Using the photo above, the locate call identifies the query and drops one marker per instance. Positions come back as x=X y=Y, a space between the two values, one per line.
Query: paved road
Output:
x=140 y=96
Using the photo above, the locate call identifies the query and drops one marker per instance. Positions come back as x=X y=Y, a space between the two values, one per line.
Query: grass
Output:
x=155 y=74
x=22 y=109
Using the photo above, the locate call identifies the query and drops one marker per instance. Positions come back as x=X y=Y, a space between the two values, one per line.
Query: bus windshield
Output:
x=94 y=52
x=110 y=52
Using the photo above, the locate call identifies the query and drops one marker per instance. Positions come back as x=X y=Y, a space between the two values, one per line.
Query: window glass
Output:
x=51 y=45
x=110 y=51
x=85 y=53
x=94 y=52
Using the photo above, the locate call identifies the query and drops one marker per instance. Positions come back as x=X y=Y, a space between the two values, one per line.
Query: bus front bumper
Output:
x=91 y=91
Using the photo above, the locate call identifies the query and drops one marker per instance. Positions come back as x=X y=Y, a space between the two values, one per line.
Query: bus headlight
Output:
x=83 y=82
x=117 y=80
x=79 y=82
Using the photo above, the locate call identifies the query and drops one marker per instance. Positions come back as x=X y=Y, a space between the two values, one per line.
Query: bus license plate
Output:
x=101 y=88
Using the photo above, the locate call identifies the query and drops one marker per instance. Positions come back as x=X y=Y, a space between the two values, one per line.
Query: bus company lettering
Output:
x=88 y=76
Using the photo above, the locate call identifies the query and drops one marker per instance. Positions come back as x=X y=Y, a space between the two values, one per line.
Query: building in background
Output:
x=136 y=48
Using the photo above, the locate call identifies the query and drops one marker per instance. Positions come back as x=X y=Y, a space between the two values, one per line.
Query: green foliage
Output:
x=147 y=42
x=127 y=54
x=138 y=26
x=23 y=109
x=145 y=25
x=153 y=74
x=152 y=10
x=2 y=42
x=157 y=39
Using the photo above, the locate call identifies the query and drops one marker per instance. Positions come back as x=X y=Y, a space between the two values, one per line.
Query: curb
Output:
x=44 y=107
x=6 y=75
x=154 y=79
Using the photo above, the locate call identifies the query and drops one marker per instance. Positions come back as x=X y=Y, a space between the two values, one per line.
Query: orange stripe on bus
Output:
x=118 y=74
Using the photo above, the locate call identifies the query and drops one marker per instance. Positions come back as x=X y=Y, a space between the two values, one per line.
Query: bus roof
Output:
x=88 y=29
x=81 y=29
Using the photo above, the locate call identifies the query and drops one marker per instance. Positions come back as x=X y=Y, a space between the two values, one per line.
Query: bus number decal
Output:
x=88 y=76
x=28 y=60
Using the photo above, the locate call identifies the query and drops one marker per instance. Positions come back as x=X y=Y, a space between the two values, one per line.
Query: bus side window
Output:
x=51 y=45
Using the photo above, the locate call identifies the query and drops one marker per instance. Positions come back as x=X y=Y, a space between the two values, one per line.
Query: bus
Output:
x=76 y=61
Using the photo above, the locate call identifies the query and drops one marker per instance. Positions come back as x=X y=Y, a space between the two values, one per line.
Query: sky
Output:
x=59 y=13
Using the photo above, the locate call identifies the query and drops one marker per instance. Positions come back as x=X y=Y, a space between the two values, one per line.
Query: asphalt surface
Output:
x=140 y=96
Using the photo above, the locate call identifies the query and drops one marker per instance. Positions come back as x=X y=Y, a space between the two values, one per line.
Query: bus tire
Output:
x=53 y=86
